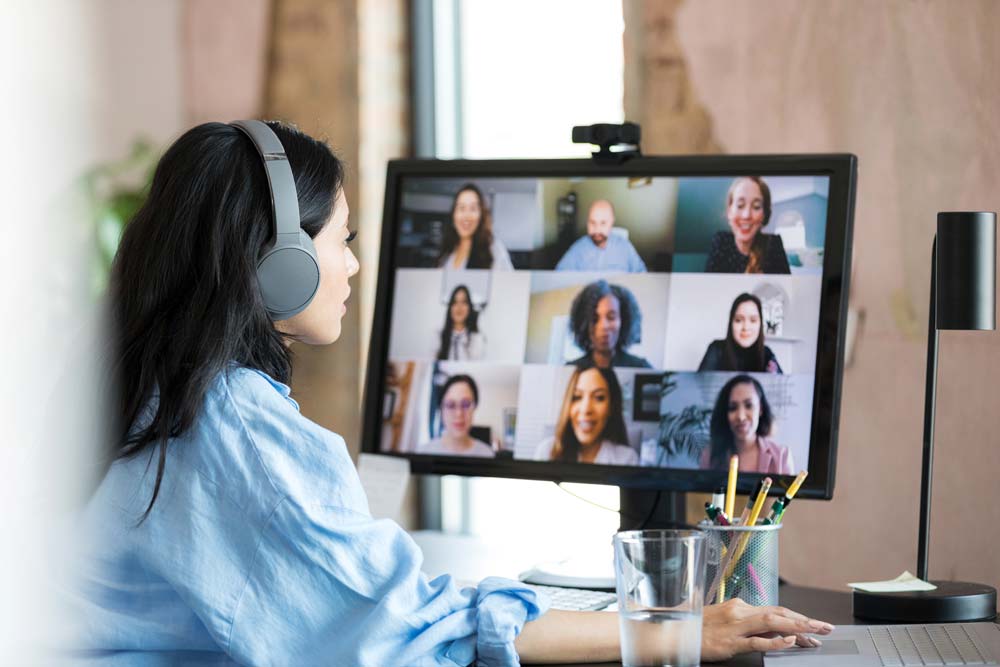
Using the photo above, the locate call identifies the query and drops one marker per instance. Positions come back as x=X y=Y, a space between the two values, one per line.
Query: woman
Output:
x=468 y=241
x=231 y=529
x=605 y=320
x=743 y=348
x=741 y=424
x=590 y=428
x=745 y=248
x=459 y=398
x=460 y=337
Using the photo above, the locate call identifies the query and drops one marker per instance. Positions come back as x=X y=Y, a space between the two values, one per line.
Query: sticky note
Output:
x=903 y=583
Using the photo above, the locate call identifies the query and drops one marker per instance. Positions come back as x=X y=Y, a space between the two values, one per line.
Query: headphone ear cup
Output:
x=288 y=277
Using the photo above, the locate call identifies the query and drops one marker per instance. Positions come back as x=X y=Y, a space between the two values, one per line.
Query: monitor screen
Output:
x=633 y=324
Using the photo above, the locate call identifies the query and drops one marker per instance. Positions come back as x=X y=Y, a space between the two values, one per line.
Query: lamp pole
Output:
x=930 y=403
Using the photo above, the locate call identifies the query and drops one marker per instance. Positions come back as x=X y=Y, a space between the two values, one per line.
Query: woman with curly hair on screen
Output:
x=605 y=320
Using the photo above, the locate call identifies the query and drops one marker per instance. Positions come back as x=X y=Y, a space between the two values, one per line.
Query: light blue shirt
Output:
x=260 y=550
x=618 y=254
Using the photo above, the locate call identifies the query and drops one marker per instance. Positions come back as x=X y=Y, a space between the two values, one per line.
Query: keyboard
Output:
x=575 y=599
x=952 y=644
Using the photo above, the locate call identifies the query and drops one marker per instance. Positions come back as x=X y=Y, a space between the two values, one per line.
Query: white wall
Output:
x=699 y=309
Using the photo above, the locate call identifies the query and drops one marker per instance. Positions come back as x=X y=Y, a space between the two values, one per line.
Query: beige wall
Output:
x=912 y=89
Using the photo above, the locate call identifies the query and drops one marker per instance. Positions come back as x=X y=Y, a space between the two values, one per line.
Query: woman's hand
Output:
x=736 y=627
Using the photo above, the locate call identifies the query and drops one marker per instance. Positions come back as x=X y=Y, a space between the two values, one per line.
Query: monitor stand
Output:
x=663 y=509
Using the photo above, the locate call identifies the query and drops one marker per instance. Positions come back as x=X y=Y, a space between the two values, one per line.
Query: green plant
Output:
x=682 y=435
x=115 y=191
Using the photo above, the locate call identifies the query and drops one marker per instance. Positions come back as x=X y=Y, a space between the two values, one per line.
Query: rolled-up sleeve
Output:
x=333 y=586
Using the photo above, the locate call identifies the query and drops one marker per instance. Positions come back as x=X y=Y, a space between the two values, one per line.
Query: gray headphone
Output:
x=287 y=270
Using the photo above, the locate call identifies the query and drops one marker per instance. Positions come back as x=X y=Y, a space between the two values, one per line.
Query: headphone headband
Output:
x=287 y=271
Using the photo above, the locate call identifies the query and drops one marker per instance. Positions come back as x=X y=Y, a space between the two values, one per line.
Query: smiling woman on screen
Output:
x=745 y=248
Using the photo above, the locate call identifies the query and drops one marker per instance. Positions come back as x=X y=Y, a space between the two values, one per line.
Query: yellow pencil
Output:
x=758 y=505
x=734 y=467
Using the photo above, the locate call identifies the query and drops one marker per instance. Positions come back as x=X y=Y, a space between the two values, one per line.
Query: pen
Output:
x=751 y=500
x=734 y=467
x=716 y=515
x=789 y=494
x=719 y=497
x=756 y=583
x=776 y=509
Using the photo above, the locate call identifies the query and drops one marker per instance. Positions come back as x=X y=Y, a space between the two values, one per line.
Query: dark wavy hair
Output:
x=471 y=322
x=736 y=356
x=183 y=289
x=566 y=447
x=723 y=444
x=584 y=310
x=481 y=254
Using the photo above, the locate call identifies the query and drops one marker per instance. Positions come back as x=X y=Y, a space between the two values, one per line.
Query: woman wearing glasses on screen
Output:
x=459 y=398
x=604 y=321
x=590 y=427
x=745 y=248
x=468 y=241
x=460 y=336
x=741 y=424
x=743 y=348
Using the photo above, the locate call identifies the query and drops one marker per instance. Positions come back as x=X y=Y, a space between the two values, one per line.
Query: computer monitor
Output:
x=627 y=324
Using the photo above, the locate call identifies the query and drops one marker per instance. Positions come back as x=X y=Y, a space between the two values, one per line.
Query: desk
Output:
x=470 y=559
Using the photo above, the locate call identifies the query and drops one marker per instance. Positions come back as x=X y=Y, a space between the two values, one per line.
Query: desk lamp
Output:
x=963 y=297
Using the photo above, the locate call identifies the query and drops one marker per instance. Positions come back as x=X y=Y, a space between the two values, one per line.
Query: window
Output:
x=510 y=80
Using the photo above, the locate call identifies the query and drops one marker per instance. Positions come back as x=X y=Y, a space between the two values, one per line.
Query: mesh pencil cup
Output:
x=742 y=562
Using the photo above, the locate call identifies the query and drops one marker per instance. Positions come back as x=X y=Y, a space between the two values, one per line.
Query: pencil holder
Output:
x=742 y=562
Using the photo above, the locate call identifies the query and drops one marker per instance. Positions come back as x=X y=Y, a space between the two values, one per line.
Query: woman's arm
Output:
x=727 y=629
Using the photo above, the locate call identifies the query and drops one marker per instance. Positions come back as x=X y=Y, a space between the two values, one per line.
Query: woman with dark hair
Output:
x=468 y=241
x=743 y=348
x=605 y=320
x=459 y=398
x=460 y=337
x=230 y=529
x=741 y=424
x=590 y=427
x=745 y=248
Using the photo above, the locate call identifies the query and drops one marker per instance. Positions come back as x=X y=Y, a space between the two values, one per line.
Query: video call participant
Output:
x=460 y=337
x=590 y=427
x=745 y=248
x=741 y=424
x=468 y=241
x=743 y=348
x=459 y=398
x=600 y=250
x=605 y=320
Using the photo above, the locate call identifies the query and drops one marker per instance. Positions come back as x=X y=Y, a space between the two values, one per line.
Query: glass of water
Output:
x=660 y=578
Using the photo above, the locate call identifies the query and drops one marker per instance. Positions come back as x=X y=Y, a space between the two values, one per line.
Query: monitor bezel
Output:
x=842 y=171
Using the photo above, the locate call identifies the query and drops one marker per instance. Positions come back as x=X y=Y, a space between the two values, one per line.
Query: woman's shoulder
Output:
x=543 y=452
x=482 y=449
x=257 y=420
x=501 y=258
x=619 y=454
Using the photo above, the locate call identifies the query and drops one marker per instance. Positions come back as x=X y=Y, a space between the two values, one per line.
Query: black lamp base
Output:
x=950 y=602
